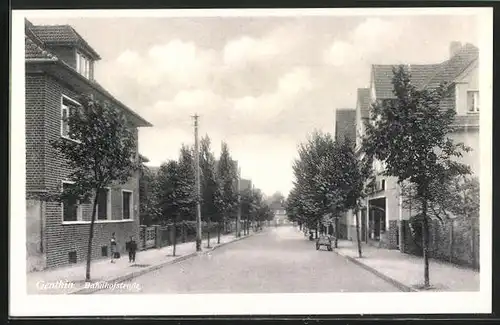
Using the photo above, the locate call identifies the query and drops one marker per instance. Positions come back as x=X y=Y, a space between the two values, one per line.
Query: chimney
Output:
x=454 y=48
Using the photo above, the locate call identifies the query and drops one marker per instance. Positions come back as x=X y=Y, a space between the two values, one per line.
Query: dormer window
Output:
x=83 y=65
x=473 y=101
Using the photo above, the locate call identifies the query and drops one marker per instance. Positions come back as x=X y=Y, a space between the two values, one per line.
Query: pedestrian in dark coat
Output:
x=132 y=249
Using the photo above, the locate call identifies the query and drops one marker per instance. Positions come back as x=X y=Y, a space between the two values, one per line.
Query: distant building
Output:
x=280 y=215
x=245 y=184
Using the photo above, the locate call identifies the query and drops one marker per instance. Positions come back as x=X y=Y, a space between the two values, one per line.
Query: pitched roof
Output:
x=455 y=66
x=34 y=51
x=364 y=102
x=382 y=76
x=62 y=35
x=425 y=75
x=345 y=124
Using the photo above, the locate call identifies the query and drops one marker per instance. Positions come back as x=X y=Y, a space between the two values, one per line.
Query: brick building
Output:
x=382 y=224
x=59 y=66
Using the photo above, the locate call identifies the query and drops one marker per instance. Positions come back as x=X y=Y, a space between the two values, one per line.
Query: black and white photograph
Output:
x=284 y=161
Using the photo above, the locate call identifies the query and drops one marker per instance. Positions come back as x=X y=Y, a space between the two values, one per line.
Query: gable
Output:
x=470 y=76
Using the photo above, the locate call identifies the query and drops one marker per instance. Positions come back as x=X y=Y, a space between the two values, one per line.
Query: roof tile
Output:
x=62 y=34
x=425 y=75
x=34 y=51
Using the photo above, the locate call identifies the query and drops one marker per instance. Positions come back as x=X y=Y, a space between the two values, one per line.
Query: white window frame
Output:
x=85 y=70
x=108 y=205
x=131 y=204
x=67 y=109
x=79 y=212
x=476 y=101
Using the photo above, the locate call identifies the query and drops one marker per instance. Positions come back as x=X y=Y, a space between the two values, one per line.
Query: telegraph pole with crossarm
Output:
x=197 y=173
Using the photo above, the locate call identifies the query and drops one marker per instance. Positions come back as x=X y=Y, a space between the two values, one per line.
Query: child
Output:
x=132 y=248
x=113 y=247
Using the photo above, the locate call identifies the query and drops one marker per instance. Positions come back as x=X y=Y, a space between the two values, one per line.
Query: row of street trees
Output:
x=171 y=197
x=410 y=134
x=329 y=180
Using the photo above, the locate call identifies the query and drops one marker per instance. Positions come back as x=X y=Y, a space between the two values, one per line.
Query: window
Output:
x=104 y=204
x=72 y=257
x=67 y=108
x=126 y=204
x=473 y=101
x=83 y=64
x=70 y=205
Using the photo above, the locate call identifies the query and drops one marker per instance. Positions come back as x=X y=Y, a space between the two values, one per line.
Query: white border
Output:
x=237 y=304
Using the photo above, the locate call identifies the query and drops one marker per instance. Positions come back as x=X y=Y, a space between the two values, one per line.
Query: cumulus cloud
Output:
x=246 y=49
x=371 y=37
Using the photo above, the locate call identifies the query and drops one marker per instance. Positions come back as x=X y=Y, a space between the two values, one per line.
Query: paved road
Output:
x=279 y=260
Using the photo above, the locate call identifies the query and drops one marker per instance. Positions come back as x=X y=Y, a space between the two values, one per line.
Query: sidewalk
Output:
x=71 y=279
x=407 y=271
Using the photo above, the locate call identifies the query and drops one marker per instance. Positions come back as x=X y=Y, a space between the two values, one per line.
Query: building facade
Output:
x=381 y=218
x=59 y=67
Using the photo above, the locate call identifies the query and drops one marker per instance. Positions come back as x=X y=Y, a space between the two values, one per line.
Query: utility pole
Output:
x=238 y=216
x=197 y=172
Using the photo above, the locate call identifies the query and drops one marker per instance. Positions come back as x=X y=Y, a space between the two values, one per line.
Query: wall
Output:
x=65 y=53
x=35 y=256
x=34 y=123
x=468 y=81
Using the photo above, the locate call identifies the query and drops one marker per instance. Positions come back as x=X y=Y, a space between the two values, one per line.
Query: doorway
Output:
x=377 y=215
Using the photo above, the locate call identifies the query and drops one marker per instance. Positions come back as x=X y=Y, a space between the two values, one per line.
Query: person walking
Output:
x=132 y=249
x=113 y=247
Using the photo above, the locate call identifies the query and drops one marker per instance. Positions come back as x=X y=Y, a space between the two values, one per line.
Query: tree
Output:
x=313 y=195
x=104 y=152
x=277 y=197
x=251 y=201
x=227 y=193
x=168 y=190
x=410 y=135
x=147 y=205
x=187 y=195
x=208 y=184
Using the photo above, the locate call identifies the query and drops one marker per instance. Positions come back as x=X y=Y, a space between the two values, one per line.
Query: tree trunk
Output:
x=218 y=232
x=316 y=230
x=358 y=235
x=91 y=236
x=425 y=243
x=336 y=232
x=208 y=233
x=175 y=238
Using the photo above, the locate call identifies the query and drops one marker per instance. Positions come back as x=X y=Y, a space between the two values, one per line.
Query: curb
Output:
x=397 y=284
x=138 y=273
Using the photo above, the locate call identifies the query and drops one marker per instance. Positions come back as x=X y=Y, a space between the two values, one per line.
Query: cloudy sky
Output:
x=259 y=83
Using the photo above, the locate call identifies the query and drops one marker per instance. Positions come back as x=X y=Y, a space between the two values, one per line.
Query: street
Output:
x=278 y=260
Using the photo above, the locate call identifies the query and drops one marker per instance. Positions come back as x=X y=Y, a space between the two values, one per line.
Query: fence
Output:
x=158 y=236
x=455 y=241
